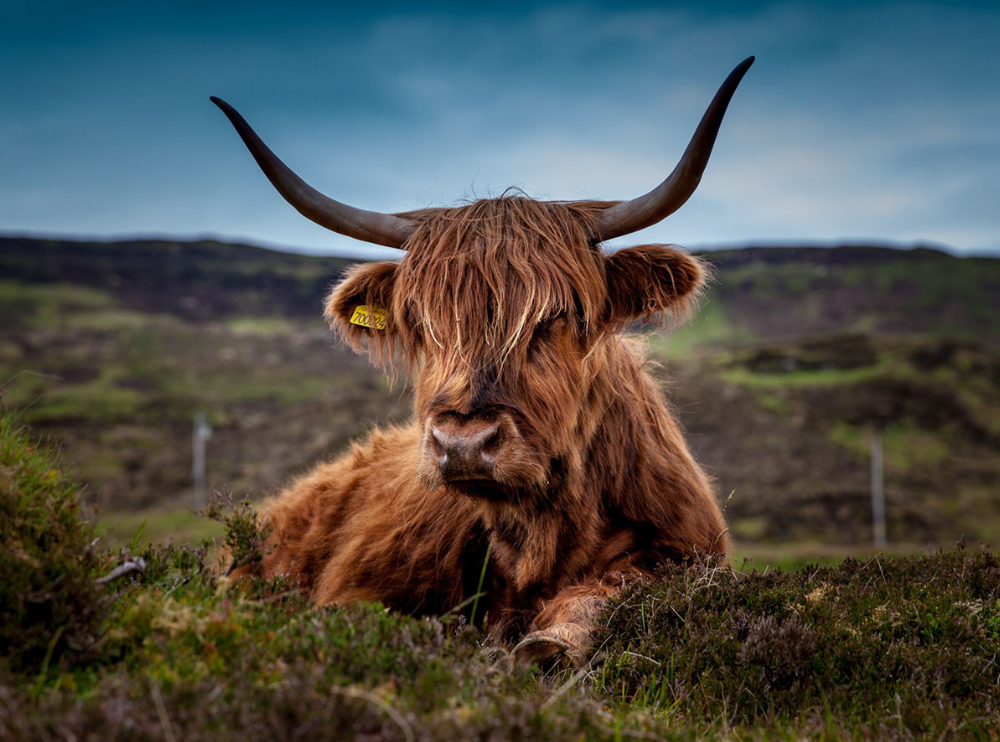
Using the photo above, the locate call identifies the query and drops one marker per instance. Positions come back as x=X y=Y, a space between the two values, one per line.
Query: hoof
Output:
x=562 y=644
x=540 y=647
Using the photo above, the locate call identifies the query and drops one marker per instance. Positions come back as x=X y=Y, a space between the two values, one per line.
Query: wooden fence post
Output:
x=878 y=492
x=200 y=434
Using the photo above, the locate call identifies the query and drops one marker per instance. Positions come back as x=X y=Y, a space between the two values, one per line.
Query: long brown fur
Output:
x=508 y=305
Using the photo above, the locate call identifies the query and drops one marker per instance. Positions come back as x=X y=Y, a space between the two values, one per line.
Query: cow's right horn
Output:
x=670 y=195
x=370 y=226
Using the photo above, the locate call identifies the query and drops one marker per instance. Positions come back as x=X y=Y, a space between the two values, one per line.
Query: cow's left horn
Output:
x=670 y=195
x=370 y=226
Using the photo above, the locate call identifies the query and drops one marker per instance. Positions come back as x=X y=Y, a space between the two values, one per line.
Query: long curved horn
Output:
x=370 y=226
x=670 y=195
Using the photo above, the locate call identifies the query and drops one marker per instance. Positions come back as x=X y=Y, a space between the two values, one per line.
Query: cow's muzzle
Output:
x=483 y=453
x=465 y=448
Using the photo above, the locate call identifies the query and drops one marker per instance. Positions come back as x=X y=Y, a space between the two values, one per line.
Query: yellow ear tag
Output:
x=371 y=317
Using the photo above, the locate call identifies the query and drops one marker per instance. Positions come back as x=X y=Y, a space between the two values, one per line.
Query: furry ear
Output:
x=367 y=285
x=653 y=283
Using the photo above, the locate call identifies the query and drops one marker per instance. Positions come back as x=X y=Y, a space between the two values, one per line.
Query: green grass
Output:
x=49 y=305
x=819 y=377
x=709 y=327
x=884 y=647
x=903 y=447
x=67 y=306
x=260 y=325
x=101 y=398
x=775 y=402
x=158 y=528
x=749 y=555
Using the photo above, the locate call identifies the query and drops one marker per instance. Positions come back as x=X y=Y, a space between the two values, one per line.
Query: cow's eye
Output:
x=547 y=329
x=412 y=322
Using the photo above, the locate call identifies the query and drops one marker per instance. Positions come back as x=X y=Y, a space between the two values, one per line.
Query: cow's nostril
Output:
x=437 y=448
x=491 y=446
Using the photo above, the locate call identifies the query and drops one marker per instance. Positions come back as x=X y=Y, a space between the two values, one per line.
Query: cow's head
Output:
x=504 y=309
x=500 y=308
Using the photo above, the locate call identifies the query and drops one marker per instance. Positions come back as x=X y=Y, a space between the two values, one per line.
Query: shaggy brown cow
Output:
x=538 y=437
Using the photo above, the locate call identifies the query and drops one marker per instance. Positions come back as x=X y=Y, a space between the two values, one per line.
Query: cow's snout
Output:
x=465 y=449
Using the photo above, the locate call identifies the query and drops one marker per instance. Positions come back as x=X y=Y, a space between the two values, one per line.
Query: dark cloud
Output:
x=865 y=120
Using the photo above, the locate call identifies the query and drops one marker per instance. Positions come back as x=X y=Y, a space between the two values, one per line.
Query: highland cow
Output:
x=539 y=438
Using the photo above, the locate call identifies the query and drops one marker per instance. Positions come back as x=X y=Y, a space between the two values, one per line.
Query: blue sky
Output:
x=859 y=121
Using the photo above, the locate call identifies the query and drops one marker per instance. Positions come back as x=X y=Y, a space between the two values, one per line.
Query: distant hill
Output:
x=857 y=289
x=833 y=290
x=194 y=280
x=795 y=358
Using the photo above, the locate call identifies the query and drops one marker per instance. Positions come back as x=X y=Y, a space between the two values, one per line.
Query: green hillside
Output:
x=834 y=290
x=796 y=357
x=786 y=293
x=191 y=280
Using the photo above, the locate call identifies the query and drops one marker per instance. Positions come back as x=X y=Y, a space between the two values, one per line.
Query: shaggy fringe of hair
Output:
x=526 y=262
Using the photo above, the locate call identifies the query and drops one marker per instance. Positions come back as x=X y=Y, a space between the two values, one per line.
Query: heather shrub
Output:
x=50 y=606
x=887 y=648
x=246 y=534
x=889 y=644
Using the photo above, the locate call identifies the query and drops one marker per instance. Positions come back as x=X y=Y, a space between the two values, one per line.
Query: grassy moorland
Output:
x=794 y=360
x=889 y=648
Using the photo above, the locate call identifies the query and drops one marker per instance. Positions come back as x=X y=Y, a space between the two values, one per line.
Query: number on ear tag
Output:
x=370 y=317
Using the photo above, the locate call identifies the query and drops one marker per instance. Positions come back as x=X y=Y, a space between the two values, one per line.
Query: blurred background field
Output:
x=795 y=358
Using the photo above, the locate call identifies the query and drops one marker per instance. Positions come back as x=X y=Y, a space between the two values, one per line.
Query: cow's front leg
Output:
x=562 y=629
